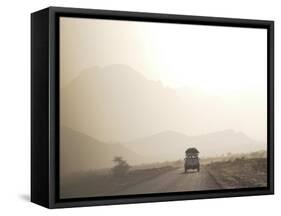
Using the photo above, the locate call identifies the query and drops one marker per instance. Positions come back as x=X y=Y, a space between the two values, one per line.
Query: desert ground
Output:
x=241 y=171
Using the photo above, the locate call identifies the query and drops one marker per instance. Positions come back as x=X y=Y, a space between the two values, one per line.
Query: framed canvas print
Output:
x=139 y=107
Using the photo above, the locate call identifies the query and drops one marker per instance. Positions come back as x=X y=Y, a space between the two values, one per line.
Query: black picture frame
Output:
x=45 y=106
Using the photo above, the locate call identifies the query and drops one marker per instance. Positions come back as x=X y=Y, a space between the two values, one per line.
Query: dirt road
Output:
x=175 y=180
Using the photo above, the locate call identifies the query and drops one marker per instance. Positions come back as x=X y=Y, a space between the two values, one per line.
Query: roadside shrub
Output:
x=121 y=167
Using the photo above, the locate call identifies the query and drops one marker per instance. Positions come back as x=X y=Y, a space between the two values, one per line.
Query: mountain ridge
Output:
x=80 y=152
x=209 y=144
x=116 y=103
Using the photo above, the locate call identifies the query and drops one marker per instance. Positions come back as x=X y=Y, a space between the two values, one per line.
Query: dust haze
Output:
x=137 y=95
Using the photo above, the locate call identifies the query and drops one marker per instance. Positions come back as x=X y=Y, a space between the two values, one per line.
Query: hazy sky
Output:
x=218 y=61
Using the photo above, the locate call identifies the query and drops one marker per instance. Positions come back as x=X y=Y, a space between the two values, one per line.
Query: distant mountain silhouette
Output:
x=171 y=145
x=79 y=152
x=116 y=103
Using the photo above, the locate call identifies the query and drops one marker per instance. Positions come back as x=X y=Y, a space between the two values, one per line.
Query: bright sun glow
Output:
x=186 y=57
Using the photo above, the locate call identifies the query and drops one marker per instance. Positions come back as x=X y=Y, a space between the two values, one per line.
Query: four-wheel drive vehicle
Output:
x=191 y=161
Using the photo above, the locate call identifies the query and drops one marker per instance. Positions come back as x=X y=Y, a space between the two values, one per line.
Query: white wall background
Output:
x=15 y=106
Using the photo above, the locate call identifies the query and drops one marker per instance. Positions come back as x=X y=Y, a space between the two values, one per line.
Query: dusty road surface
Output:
x=173 y=181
